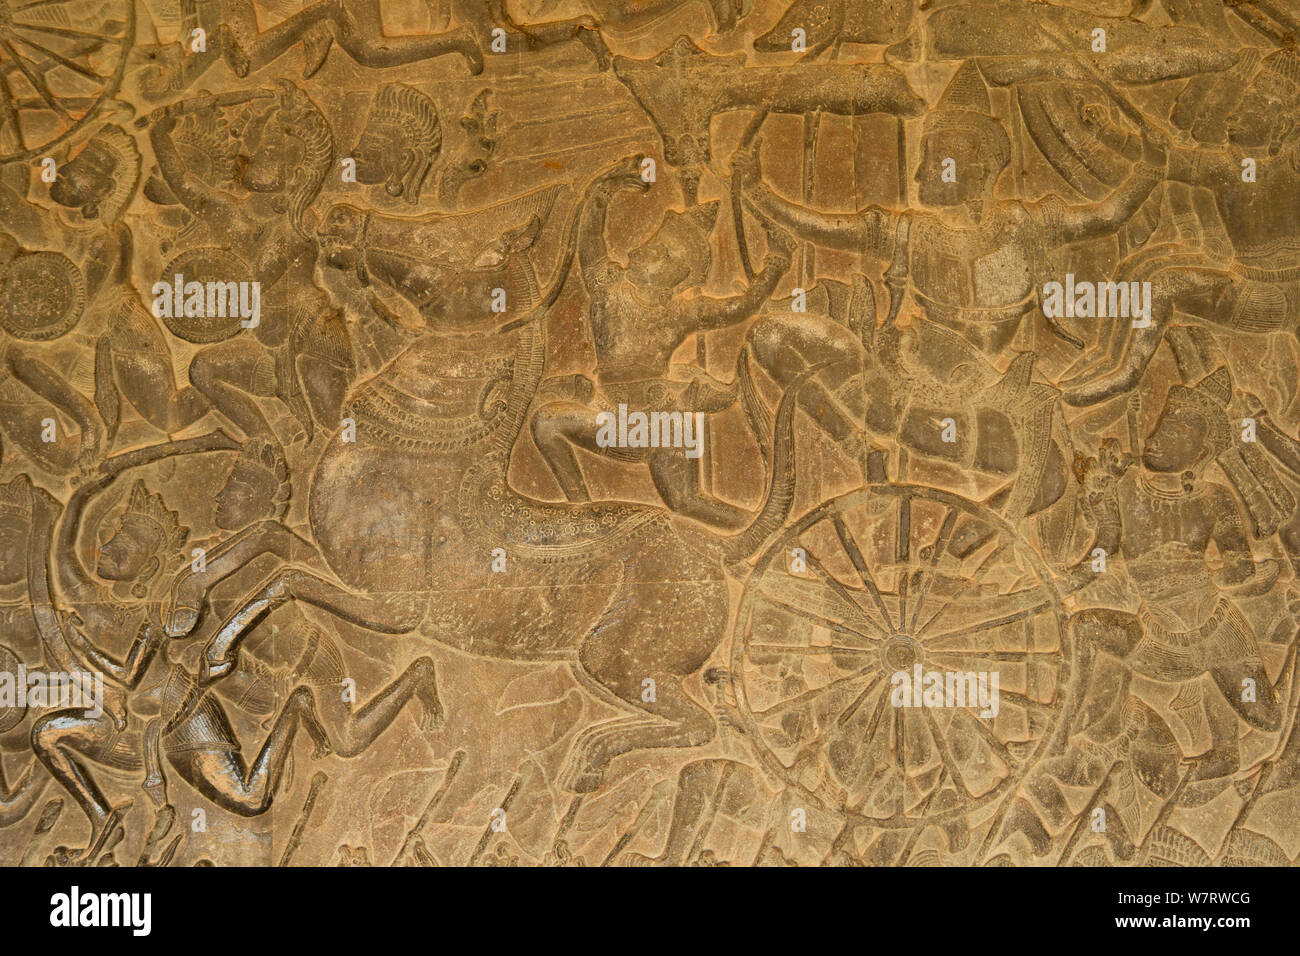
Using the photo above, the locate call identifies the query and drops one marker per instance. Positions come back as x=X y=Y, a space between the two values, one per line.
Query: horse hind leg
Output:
x=625 y=653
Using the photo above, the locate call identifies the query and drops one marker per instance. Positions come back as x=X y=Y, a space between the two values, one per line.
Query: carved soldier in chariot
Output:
x=972 y=263
x=638 y=318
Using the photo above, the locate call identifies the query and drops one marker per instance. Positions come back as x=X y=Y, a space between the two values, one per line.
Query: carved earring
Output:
x=393 y=186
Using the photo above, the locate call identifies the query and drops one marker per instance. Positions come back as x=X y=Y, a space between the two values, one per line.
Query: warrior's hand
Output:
x=1155 y=148
x=747 y=165
x=1092 y=113
x=780 y=243
x=624 y=175
x=1100 y=476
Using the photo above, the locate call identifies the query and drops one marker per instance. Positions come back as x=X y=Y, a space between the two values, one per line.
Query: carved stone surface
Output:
x=603 y=432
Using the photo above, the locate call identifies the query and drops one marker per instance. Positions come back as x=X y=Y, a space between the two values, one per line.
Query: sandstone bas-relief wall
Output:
x=593 y=432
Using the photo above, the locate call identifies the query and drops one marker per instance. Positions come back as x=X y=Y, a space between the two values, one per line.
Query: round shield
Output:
x=42 y=295
x=209 y=311
x=11 y=713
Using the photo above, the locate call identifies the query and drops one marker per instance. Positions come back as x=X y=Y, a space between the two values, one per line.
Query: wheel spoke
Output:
x=842 y=590
x=37 y=82
x=903 y=552
x=37 y=3
x=850 y=547
x=1022 y=700
x=839 y=627
x=70 y=32
x=977 y=654
x=60 y=59
x=928 y=575
x=900 y=734
x=812 y=651
x=11 y=112
x=949 y=761
x=935 y=641
x=879 y=712
x=997 y=746
x=810 y=695
x=852 y=709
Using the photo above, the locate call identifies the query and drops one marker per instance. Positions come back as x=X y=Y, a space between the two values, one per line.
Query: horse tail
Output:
x=780 y=490
x=751 y=402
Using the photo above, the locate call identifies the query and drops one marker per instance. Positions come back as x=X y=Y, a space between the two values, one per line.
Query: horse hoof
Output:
x=588 y=781
x=181 y=621
x=636 y=859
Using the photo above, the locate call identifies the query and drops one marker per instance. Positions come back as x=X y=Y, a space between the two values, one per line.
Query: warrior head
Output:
x=145 y=544
x=962 y=128
x=256 y=488
x=1193 y=428
x=1266 y=116
x=678 y=255
x=401 y=140
x=292 y=153
x=100 y=179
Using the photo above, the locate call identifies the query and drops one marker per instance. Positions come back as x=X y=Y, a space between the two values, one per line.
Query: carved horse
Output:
x=408 y=517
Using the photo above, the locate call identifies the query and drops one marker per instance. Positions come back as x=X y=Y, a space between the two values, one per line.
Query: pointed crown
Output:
x=965 y=106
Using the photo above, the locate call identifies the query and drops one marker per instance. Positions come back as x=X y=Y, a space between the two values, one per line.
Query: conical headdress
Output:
x=965 y=106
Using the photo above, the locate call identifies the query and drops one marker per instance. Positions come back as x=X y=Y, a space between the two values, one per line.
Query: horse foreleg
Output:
x=351 y=732
x=390 y=613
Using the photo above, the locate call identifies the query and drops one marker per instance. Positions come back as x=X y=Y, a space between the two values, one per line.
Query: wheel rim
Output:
x=60 y=61
x=813 y=654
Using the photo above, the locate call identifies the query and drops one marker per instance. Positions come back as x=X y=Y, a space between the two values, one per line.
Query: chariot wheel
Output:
x=896 y=580
x=60 y=62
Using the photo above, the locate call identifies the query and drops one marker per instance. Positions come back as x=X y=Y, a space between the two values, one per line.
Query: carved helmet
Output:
x=965 y=106
x=1208 y=398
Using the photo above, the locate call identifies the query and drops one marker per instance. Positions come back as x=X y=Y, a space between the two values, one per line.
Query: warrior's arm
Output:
x=1203 y=167
x=866 y=231
x=1106 y=537
x=191 y=190
x=1283 y=447
x=1072 y=223
x=1230 y=538
x=128 y=672
x=706 y=314
x=593 y=253
x=1099 y=496
x=49 y=385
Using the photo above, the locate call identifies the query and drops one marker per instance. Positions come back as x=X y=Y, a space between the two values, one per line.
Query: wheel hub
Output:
x=900 y=653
